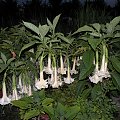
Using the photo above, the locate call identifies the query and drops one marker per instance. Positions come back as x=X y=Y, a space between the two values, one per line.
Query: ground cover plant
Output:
x=62 y=77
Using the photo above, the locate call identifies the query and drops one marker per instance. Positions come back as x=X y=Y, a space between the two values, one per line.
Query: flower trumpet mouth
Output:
x=4 y=100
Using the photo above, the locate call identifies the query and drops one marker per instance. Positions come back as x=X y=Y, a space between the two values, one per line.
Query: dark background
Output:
x=73 y=14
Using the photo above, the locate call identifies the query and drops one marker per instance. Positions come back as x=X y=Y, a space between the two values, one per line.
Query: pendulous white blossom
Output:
x=41 y=83
x=74 y=71
x=4 y=100
x=62 y=70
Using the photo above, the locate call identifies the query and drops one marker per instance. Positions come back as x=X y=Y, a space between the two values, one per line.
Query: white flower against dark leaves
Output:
x=55 y=79
x=68 y=80
x=74 y=71
x=41 y=83
x=48 y=69
x=62 y=70
x=95 y=79
x=4 y=100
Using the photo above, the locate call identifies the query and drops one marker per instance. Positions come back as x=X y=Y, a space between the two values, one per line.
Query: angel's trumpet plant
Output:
x=41 y=83
x=55 y=78
x=74 y=71
x=20 y=86
x=68 y=80
x=29 y=87
x=104 y=70
x=61 y=70
x=29 y=90
x=24 y=90
x=14 y=91
x=95 y=78
x=48 y=69
x=4 y=100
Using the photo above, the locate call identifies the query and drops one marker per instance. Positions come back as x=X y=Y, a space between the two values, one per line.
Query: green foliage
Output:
x=4 y=63
x=87 y=66
x=33 y=106
x=84 y=99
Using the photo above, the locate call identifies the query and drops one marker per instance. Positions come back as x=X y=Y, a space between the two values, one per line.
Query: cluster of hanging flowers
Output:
x=102 y=72
x=22 y=86
x=55 y=74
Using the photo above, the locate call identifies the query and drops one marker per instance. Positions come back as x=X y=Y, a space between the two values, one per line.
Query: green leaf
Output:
x=109 y=28
x=55 y=21
x=27 y=46
x=95 y=34
x=117 y=35
x=47 y=101
x=97 y=26
x=3 y=57
x=65 y=39
x=84 y=29
x=30 y=114
x=19 y=63
x=10 y=60
x=21 y=104
x=80 y=87
x=43 y=30
x=115 y=63
x=87 y=66
x=50 y=24
x=116 y=79
x=94 y=42
x=31 y=27
x=115 y=22
x=1 y=61
x=86 y=93
x=88 y=58
x=86 y=72
x=49 y=110
x=3 y=67
x=7 y=41
x=61 y=109
x=72 y=112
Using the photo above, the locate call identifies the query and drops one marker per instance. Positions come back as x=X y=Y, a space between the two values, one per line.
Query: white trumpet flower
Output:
x=48 y=69
x=4 y=100
x=61 y=70
x=74 y=71
x=14 y=95
x=41 y=83
x=20 y=86
x=68 y=80
x=55 y=79
x=104 y=70
x=29 y=90
x=25 y=90
x=95 y=78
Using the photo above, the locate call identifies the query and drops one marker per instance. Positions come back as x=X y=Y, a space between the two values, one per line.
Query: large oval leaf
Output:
x=28 y=46
x=84 y=29
x=116 y=64
x=87 y=66
x=94 y=42
x=31 y=114
x=31 y=27
x=116 y=79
